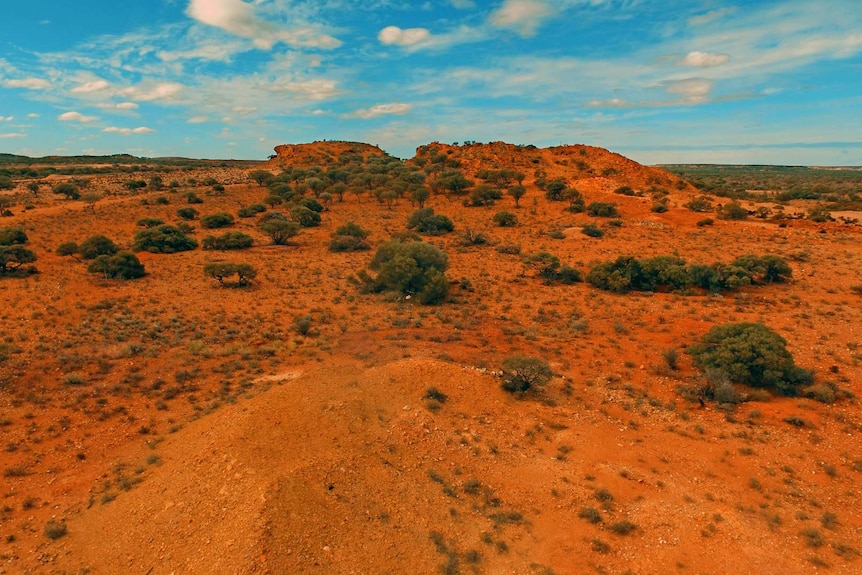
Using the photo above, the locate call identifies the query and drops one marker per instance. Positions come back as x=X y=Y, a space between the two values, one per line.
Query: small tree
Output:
x=90 y=199
x=411 y=268
x=517 y=192
x=121 y=266
x=752 y=354
x=221 y=270
x=68 y=249
x=522 y=373
x=68 y=189
x=279 y=229
x=262 y=177
x=602 y=210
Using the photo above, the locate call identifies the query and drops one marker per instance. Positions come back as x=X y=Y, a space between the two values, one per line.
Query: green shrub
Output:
x=13 y=236
x=228 y=241
x=165 y=239
x=700 y=204
x=425 y=221
x=67 y=189
x=592 y=231
x=625 y=191
x=705 y=222
x=732 y=211
x=217 y=220
x=305 y=217
x=95 y=246
x=659 y=208
x=505 y=219
x=251 y=210
x=278 y=228
x=14 y=256
x=150 y=223
x=602 y=210
x=411 y=268
x=348 y=244
x=752 y=354
x=522 y=373
x=187 y=213
x=221 y=270
x=121 y=266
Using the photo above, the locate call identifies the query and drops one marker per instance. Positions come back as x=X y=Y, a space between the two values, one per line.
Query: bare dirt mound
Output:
x=346 y=469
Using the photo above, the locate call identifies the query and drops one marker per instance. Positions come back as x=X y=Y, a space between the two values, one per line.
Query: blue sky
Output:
x=659 y=81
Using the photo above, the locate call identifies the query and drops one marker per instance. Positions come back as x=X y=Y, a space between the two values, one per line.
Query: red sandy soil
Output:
x=208 y=436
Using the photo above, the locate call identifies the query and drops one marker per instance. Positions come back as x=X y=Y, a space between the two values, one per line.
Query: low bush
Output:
x=522 y=373
x=228 y=241
x=217 y=220
x=120 y=266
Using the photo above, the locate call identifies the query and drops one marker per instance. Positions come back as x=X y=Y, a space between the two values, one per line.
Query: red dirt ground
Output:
x=208 y=436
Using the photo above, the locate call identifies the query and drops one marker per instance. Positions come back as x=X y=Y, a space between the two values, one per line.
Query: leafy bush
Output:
x=228 y=241
x=732 y=211
x=278 y=228
x=505 y=219
x=221 y=270
x=193 y=198
x=13 y=236
x=14 y=256
x=521 y=373
x=659 y=208
x=67 y=189
x=705 y=222
x=305 y=217
x=251 y=210
x=187 y=213
x=592 y=231
x=411 y=268
x=165 y=239
x=752 y=354
x=602 y=210
x=217 y=220
x=625 y=191
x=700 y=204
x=150 y=223
x=425 y=221
x=121 y=266
x=95 y=246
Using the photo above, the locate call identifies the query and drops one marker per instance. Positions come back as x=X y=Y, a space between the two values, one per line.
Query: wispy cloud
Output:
x=398 y=108
x=240 y=18
x=151 y=91
x=89 y=87
x=76 y=117
x=704 y=59
x=522 y=16
x=117 y=106
x=128 y=131
x=12 y=136
x=29 y=83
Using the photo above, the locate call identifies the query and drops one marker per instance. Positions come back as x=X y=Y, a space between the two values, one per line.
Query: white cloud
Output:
x=211 y=51
x=316 y=89
x=611 y=103
x=244 y=110
x=691 y=91
x=239 y=18
x=32 y=115
x=6 y=118
x=522 y=16
x=704 y=59
x=76 y=117
x=149 y=92
x=198 y=120
x=708 y=17
x=117 y=106
x=89 y=87
x=12 y=136
x=29 y=84
x=381 y=110
x=393 y=35
x=128 y=131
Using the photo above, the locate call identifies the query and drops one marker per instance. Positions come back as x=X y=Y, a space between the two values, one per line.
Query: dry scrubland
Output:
x=169 y=424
